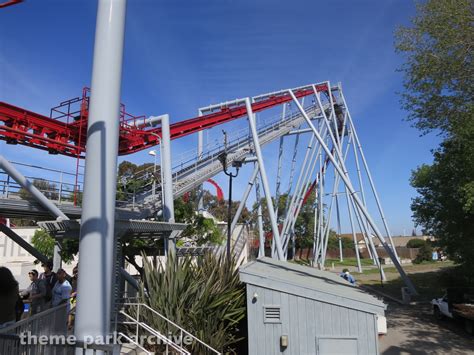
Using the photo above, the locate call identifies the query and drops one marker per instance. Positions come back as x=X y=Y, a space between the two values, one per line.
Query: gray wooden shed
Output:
x=294 y=309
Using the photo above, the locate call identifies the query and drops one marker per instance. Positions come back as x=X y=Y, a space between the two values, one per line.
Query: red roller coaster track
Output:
x=64 y=132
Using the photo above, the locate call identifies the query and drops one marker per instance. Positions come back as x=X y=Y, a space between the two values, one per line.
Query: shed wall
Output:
x=303 y=320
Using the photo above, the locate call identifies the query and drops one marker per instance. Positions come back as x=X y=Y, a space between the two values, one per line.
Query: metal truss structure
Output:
x=333 y=167
x=333 y=170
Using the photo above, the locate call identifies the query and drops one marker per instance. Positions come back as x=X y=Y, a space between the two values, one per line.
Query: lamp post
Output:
x=153 y=153
x=237 y=164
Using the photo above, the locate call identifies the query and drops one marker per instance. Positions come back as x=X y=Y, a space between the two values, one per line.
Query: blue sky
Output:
x=182 y=55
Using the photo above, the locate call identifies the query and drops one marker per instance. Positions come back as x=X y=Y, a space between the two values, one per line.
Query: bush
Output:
x=416 y=243
x=203 y=295
x=424 y=254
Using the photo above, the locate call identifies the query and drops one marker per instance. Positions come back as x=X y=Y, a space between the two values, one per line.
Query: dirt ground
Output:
x=413 y=330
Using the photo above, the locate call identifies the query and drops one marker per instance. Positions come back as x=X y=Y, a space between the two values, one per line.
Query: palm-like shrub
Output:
x=203 y=295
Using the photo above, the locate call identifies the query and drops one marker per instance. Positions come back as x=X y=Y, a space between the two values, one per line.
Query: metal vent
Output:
x=271 y=314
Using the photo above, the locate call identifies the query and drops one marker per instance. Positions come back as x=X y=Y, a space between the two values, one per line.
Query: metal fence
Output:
x=46 y=333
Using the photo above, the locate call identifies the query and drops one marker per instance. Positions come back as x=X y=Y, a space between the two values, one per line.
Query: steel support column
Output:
x=96 y=248
x=168 y=205
x=263 y=176
x=244 y=198
x=354 y=196
x=200 y=145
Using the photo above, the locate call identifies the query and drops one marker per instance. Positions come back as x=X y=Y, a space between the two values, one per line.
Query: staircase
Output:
x=169 y=339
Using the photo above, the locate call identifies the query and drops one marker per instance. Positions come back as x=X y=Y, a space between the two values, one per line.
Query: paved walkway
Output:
x=413 y=330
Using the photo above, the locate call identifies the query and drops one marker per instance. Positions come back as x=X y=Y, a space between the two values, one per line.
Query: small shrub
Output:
x=425 y=253
x=203 y=295
x=416 y=243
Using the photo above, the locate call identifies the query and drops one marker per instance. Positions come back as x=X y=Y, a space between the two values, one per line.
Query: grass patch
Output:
x=348 y=262
x=429 y=282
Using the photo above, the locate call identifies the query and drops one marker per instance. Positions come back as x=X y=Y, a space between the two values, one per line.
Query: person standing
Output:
x=61 y=290
x=37 y=293
x=8 y=298
x=50 y=279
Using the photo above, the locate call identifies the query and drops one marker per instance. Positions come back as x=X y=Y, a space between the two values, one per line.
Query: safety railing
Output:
x=23 y=337
x=170 y=336
x=60 y=186
x=193 y=164
x=190 y=163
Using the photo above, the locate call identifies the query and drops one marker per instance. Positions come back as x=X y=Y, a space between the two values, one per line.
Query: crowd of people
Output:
x=46 y=290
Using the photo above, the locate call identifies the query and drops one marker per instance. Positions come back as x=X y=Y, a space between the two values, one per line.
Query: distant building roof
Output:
x=308 y=282
x=398 y=241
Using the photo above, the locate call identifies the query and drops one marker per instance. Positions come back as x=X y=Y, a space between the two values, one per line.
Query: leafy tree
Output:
x=439 y=96
x=202 y=230
x=47 y=188
x=424 y=253
x=44 y=242
x=445 y=205
x=133 y=179
x=439 y=73
x=219 y=208
x=415 y=243
x=304 y=224
x=333 y=242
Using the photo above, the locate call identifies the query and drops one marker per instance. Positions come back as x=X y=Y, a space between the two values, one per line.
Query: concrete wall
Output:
x=304 y=321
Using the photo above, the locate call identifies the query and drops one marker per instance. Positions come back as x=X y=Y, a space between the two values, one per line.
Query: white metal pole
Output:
x=97 y=242
x=369 y=175
x=263 y=176
x=261 y=233
x=243 y=201
x=359 y=204
x=168 y=205
x=199 y=157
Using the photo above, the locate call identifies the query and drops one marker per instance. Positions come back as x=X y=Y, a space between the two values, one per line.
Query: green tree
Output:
x=50 y=190
x=439 y=96
x=415 y=243
x=202 y=230
x=333 y=242
x=44 y=243
x=424 y=253
x=304 y=224
x=439 y=72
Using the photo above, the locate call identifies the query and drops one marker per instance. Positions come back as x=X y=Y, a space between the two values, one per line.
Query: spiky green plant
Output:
x=203 y=295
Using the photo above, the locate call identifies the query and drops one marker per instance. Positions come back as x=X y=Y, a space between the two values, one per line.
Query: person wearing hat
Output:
x=61 y=290
x=50 y=279
x=36 y=293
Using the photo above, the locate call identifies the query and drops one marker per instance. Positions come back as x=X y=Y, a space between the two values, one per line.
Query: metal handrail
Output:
x=182 y=330
x=134 y=343
x=154 y=332
x=25 y=323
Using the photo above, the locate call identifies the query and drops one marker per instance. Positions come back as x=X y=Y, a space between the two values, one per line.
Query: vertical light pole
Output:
x=97 y=238
x=223 y=159
x=153 y=153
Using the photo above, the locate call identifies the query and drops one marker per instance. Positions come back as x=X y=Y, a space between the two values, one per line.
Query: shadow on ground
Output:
x=412 y=329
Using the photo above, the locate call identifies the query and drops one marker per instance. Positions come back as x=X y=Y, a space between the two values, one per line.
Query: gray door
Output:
x=336 y=346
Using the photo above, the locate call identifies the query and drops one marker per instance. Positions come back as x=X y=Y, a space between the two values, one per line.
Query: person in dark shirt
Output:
x=50 y=279
x=8 y=297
